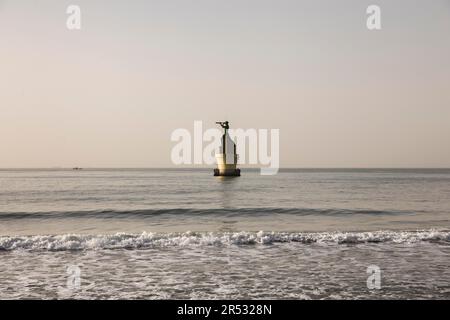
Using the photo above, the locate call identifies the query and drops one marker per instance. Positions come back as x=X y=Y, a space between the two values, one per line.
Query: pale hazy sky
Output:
x=110 y=94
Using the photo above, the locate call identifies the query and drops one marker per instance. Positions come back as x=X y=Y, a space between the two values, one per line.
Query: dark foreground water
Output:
x=302 y=234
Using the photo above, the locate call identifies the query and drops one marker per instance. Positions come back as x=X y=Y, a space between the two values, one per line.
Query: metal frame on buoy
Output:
x=227 y=168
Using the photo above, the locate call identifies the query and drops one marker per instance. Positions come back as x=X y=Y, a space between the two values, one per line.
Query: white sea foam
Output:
x=148 y=240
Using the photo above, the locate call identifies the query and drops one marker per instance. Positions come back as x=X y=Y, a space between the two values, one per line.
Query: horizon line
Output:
x=182 y=167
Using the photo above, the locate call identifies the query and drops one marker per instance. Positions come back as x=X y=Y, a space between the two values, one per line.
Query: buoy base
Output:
x=227 y=173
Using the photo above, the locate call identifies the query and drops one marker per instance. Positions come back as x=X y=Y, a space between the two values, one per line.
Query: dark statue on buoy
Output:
x=227 y=157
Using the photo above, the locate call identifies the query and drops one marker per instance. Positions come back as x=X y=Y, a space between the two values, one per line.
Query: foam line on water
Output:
x=150 y=240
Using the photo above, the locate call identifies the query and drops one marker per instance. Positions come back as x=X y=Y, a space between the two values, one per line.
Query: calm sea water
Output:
x=154 y=233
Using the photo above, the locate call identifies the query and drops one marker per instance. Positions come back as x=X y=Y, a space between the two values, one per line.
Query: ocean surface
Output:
x=184 y=234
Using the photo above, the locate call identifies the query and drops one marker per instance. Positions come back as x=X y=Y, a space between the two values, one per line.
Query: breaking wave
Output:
x=150 y=240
